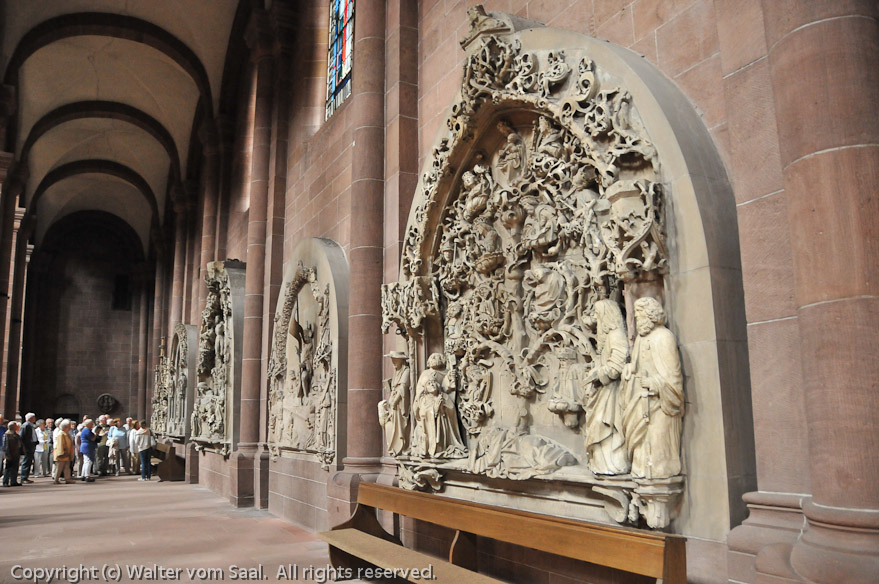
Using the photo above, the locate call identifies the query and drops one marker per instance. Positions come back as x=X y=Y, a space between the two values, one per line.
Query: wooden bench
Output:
x=361 y=542
x=169 y=466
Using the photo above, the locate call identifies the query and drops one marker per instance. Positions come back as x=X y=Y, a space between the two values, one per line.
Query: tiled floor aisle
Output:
x=122 y=521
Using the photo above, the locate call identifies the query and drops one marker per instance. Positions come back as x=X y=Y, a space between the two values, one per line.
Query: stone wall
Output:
x=85 y=347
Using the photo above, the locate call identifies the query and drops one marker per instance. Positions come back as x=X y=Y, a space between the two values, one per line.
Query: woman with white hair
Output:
x=63 y=453
x=89 y=445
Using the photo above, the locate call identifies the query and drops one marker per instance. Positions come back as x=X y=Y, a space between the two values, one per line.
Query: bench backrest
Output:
x=638 y=552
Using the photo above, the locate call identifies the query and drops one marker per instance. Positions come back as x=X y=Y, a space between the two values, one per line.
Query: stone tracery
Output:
x=521 y=256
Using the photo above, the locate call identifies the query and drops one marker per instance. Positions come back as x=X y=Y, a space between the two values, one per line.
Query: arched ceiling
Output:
x=115 y=82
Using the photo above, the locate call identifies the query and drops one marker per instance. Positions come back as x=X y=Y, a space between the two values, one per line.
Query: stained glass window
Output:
x=341 y=50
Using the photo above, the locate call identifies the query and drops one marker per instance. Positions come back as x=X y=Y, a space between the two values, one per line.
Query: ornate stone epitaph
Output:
x=540 y=216
x=214 y=421
x=159 y=402
x=304 y=373
x=179 y=369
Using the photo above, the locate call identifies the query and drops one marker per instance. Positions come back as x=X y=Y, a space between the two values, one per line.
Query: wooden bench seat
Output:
x=652 y=554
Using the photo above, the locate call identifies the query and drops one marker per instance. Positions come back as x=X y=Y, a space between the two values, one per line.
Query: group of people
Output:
x=93 y=448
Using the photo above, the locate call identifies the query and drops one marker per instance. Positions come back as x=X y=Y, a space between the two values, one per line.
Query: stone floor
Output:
x=162 y=529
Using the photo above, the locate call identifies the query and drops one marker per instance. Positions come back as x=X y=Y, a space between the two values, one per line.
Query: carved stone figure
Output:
x=303 y=369
x=538 y=213
x=605 y=444
x=653 y=406
x=436 y=422
x=394 y=412
x=212 y=422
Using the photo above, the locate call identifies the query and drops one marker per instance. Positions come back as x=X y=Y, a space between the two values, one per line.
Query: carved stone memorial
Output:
x=214 y=423
x=160 y=399
x=306 y=372
x=180 y=369
x=540 y=225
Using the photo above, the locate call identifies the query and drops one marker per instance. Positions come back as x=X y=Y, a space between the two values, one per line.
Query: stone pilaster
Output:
x=829 y=137
x=366 y=254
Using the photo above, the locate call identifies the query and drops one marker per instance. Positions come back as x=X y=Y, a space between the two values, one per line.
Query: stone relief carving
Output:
x=161 y=395
x=177 y=370
x=514 y=268
x=303 y=370
x=211 y=419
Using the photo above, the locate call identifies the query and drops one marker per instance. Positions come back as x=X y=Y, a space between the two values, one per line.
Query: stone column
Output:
x=179 y=276
x=11 y=187
x=211 y=181
x=401 y=155
x=158 y=320
x=260 y=42
x=226 y=136
x=24 y=226
x=283 y=23
x=144 y=282
x=364 y=445
x=824 y=67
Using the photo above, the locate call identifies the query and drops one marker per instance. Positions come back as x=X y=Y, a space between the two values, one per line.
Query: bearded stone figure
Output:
x=394 y=411
x=605 y=443
x=653 y=407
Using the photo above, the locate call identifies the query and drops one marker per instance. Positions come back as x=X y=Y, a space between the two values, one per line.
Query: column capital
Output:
x=259 y=37
x=284 y=23
x=209 y=138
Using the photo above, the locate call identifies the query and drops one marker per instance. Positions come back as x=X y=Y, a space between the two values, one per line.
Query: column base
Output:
x=261 y=478
x=192 y=459
x=838 y=545
x=241 y=472
x=759 y=548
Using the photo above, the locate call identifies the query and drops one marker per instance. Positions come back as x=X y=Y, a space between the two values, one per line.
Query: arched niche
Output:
x=652 y=163
x=307 y=371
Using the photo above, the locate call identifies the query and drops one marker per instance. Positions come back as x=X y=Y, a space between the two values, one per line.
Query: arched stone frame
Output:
x=703 y=287
x=312 y=310
x=180 y=374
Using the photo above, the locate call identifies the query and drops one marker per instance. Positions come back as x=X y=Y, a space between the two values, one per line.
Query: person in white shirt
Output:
x=41 y=464
x=132 y=446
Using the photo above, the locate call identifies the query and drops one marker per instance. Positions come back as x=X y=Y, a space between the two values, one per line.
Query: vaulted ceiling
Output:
x=107 y=93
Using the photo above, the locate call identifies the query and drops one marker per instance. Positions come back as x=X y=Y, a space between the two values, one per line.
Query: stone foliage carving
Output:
x=303 y=371
x=514 y=268
x=212 y=418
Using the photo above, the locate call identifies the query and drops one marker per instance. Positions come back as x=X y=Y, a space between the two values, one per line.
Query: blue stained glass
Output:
x=339 y=53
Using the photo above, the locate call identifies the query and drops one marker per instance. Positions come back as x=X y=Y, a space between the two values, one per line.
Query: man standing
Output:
x=50 y=428
x=3 y=429
x=102 y=430
x=654 y=398
x=12 y=455
x=29 y=442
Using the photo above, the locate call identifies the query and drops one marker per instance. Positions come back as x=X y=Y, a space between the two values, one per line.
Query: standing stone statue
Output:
x=436 y=421
x=605 y=444
x=394 y=412
x=654 y=396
